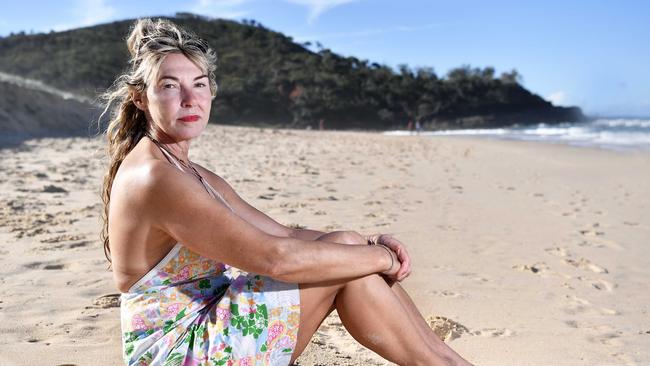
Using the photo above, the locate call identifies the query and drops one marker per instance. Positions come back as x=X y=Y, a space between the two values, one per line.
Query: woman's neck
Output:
x=179 y=149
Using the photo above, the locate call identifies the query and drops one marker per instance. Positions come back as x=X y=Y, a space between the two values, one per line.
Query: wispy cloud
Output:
x=367 y=32
x=88 y=12
x=229 y=9
x=558 y=97
x=318 y=7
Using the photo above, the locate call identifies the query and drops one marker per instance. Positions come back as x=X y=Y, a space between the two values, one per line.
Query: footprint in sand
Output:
x=586 y=265
x=328 y=198
x=81 y=244
x=493 y=332
x=370 y=203
x=537 y=268
x=591 y=233
x=60 y=238
x=45 y=265
x=446 y=293
x=447 y=228
x=107 y=301
x=598 y=284
x=577 y=305
x=53 y=189
x=474 y=276
x=600 y=243
x=558 y=251
x=608 y=339
x=446 y=328
x=449 y=330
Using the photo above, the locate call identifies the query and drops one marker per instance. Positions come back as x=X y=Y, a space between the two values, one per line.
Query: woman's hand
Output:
x=400 y=252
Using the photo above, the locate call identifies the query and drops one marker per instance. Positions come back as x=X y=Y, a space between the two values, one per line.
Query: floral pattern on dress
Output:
x=190 y=310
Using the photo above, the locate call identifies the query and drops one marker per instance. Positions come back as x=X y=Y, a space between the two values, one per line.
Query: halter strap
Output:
x=174 y=160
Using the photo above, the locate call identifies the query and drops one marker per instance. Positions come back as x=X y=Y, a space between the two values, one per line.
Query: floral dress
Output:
x=192 y=310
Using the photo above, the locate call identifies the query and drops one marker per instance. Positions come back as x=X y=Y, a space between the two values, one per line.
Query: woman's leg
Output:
x=417 y=318
x=374 y=313
x=371 y=313
x=412 y=311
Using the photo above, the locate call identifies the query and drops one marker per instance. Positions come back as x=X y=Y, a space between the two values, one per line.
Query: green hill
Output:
x=266 y=78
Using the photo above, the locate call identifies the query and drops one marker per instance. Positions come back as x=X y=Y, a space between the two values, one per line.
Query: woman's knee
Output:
x=344 y=237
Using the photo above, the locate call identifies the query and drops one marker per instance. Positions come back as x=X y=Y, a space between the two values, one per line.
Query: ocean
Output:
x=623 y=134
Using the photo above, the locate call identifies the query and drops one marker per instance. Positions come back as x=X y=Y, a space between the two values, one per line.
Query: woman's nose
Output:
x=188 y=97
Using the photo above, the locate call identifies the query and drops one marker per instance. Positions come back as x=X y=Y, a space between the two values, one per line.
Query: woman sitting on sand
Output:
x=205 y=277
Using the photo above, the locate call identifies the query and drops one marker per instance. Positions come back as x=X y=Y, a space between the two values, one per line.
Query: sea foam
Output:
x=610 y=133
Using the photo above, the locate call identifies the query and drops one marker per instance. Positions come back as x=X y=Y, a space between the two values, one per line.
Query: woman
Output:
x=205 y=277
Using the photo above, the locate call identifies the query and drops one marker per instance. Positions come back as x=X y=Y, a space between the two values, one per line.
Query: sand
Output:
x=524 y=253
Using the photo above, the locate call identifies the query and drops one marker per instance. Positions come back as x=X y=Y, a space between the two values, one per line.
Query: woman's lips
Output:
x=190 y=118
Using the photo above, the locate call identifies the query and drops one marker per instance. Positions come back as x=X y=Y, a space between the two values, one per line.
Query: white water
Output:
x=616 y=134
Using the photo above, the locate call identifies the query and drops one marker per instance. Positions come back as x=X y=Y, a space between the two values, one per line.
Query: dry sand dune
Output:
x=524 y=254
x=30 y=109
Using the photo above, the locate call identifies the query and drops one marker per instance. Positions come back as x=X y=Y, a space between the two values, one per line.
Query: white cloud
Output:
x=228 y=9
x=558 y=98
x=86 y=13
x=318 y=7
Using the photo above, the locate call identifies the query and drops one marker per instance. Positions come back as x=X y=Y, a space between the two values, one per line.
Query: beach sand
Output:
x=524 y=253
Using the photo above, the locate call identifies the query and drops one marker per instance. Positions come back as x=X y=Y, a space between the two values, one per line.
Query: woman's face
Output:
x=178 y=102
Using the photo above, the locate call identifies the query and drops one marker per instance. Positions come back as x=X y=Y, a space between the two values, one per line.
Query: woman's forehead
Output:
x=177 y=65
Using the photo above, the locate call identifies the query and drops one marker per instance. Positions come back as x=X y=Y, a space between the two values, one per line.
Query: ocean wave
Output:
x=619 y=122
x=605 y=133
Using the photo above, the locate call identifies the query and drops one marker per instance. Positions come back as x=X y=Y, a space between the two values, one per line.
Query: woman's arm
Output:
x=306 y=234
x=177 y=204
x=253 y=215
x=243 y=208
x=270 y=226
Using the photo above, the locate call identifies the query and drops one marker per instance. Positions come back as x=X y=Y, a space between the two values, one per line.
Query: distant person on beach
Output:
x=409 y=127
x=206 y=278
x=418 y=126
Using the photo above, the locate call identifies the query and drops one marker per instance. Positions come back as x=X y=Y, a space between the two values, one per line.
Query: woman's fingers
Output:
x=402 y=255
x=404 y=259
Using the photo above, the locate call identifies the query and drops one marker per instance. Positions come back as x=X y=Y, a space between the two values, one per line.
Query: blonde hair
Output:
x=149 y=42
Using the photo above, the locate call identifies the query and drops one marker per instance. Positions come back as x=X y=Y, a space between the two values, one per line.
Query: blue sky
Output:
x=594 y=54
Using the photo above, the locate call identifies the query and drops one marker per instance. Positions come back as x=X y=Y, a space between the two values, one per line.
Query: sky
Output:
x=591 y=53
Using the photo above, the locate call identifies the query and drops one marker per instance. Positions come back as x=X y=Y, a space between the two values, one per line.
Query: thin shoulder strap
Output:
x=211 y=191
x=216 y=193
x=169 y=157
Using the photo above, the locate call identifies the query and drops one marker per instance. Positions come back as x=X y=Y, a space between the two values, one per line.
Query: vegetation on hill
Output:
x=266 y=78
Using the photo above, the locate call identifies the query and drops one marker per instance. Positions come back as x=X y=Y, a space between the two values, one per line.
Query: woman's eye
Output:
x=201 y=85
x=169 y=86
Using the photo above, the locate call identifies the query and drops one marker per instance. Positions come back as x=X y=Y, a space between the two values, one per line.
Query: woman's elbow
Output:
x=278 y=261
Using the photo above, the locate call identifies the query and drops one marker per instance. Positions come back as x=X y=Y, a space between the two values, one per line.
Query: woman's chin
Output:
x=189 y=131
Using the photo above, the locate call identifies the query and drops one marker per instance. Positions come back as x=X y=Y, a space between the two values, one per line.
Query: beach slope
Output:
x=524 y=253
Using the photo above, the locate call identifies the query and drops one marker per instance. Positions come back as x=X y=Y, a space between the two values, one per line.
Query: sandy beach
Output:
x=524 y=253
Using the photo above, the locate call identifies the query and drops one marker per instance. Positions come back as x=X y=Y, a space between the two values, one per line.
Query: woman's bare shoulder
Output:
x=138 y=180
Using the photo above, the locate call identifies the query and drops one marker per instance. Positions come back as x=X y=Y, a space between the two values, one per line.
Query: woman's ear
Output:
x=139 y=99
